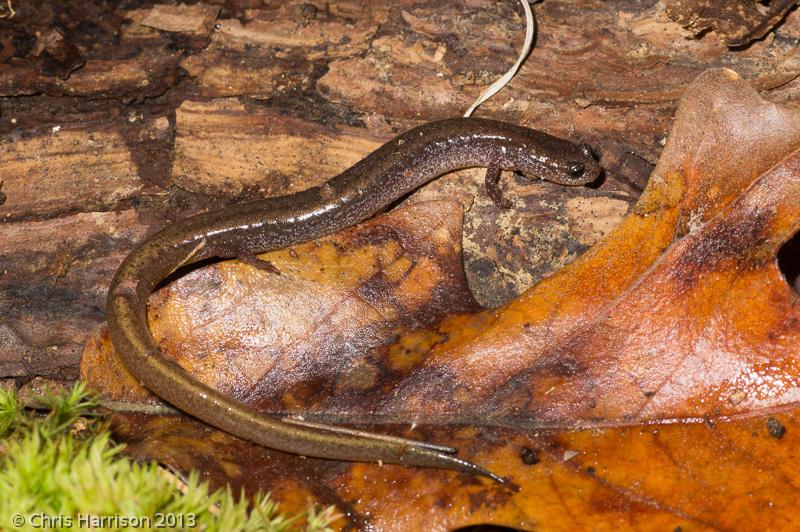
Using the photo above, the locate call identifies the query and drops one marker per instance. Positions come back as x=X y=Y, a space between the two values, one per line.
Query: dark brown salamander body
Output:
x=390 y=172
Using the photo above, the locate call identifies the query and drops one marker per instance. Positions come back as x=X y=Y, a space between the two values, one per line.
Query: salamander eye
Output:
x=576 y=169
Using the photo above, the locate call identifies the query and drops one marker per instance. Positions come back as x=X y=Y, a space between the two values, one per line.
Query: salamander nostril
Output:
x=576 y=169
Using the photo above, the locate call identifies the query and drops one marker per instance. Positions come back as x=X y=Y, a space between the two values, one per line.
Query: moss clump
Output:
x=59 y=468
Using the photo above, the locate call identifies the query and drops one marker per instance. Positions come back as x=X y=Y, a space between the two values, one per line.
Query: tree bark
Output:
x=119 y=118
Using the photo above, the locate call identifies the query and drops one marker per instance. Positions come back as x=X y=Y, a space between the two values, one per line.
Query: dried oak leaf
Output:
x=736 y=21
x=309 y=329
x=651 y=384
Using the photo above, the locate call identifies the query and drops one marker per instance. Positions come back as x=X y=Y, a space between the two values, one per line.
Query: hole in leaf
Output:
x=789 y=262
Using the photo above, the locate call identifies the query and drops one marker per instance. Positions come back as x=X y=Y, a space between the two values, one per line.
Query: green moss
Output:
x=61 y=469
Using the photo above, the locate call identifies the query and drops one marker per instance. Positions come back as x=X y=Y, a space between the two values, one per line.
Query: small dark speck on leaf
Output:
x=530 y=456
x=590 y=470
x=677 y=529
x=649 y=394
x=776 y=428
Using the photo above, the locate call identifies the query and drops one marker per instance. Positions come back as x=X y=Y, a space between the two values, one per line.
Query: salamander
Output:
x=389 y=173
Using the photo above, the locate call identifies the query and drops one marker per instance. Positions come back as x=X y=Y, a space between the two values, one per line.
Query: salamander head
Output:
x=561 y=162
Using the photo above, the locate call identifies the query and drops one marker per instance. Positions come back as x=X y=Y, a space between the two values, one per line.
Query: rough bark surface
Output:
x=117 y=118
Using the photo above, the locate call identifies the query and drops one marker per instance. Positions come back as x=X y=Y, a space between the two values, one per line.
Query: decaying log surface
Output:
x=117 y=118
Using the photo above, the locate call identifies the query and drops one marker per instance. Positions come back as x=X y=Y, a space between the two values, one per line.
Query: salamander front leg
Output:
x=493 y=188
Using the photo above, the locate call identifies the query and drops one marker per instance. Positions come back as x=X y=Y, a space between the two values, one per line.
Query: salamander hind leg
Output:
x=248 y=257
x=264 y=265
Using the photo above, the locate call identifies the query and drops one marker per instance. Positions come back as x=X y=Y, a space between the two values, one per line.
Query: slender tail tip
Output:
x=446 y=461
x=503 y=481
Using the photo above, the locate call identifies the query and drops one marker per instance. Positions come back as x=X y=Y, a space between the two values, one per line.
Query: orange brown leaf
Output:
x=651 y=384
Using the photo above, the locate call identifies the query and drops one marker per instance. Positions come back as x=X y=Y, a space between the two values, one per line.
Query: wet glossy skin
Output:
x=389 y=173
